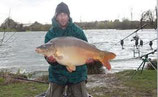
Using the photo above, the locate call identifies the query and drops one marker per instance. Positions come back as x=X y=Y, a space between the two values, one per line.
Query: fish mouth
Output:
x=41 y=51
x=38 y=50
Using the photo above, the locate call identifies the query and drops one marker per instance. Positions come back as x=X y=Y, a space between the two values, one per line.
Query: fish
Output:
x=72 y=52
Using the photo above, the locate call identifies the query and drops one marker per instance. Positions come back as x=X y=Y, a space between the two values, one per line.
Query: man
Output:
x=59 y=76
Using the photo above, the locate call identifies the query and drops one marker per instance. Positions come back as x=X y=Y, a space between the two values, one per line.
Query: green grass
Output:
x=141 y=85
x=144 y=84
x=146 y=80
x=22 y=89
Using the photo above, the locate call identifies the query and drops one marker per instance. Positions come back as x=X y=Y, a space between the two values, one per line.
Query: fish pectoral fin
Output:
x=58 y=56
x=71 y=68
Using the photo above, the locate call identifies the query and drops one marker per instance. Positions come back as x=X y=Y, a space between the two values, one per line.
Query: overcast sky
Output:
x=28 y=11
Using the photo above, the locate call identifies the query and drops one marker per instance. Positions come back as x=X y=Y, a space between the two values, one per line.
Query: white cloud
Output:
x=26 y=11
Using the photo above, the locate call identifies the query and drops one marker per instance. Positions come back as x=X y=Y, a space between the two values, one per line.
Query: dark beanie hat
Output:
x=62 y=7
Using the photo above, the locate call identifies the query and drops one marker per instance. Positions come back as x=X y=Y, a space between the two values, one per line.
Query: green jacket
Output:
x=58 y=73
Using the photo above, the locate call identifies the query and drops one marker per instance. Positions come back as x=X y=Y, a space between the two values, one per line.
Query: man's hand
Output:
x=90 y=60
x=50 y=59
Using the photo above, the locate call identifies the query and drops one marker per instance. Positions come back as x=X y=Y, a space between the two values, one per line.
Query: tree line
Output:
x=147 y=17
x=11 y=25
x=116 y=24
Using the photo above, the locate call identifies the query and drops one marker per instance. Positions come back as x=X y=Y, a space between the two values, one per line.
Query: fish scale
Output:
x=72 y=52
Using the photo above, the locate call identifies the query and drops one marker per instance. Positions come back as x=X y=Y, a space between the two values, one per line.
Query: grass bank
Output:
x=122 y=85
x=99 y=85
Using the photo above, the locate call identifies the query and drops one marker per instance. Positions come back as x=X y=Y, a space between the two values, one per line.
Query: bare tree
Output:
x=7 y=24
x=148 y=17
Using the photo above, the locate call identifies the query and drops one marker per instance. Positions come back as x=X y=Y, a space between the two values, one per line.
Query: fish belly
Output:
x=73 y=56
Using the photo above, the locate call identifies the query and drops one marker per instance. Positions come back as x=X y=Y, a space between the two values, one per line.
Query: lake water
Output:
x=18 y=53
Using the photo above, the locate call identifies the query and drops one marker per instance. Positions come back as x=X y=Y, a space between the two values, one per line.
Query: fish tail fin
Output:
x=105 y=57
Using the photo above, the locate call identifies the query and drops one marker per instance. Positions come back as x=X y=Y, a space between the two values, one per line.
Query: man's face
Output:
x=62 y=19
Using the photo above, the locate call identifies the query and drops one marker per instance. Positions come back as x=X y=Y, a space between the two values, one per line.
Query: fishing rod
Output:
x=9 y=37
x=151 y=40
x=1 y=40
x=126 y=36
x=144 y=60
x=25 y=79
x=129 y=35
x=149 y=53
x=127 y=59
x=135 y=31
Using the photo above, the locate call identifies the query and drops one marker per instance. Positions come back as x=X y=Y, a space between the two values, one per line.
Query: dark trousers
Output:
x=73 y=90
